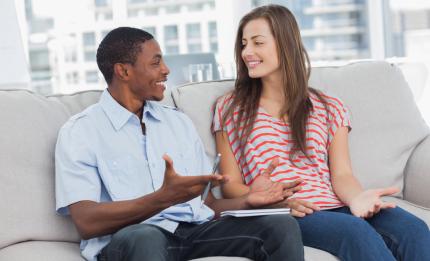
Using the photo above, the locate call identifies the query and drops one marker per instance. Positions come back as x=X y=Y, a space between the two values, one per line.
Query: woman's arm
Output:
x=345 y=185
x=362 y=203
x=235 y=187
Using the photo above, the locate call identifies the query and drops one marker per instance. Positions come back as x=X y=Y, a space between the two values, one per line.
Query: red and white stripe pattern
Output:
x=271 y=138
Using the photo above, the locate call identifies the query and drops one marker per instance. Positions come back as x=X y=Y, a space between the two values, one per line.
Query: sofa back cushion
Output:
x=29 y=124
x=386 y=124
x=29 y=127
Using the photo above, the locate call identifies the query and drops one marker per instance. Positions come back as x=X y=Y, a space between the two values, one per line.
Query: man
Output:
x=115 y=174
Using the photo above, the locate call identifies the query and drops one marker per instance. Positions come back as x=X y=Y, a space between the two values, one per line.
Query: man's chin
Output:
x=158 y=97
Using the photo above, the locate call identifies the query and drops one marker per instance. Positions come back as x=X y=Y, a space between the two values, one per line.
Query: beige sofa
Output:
x=390 y=145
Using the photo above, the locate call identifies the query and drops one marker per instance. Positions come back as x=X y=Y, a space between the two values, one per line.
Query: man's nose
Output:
x=164 y=69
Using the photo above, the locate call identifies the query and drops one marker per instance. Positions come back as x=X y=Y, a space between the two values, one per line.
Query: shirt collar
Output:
x=152 y=109
x=119 y=115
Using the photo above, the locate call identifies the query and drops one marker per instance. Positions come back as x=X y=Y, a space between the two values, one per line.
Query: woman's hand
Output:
x=264 y=192
x=368 y=203
x=301 y=208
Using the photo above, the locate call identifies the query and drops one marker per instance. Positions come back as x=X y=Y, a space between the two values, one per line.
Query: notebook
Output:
x=255 y=212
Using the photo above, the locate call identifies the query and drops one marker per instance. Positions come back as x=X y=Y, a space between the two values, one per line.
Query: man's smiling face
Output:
x=149 y=73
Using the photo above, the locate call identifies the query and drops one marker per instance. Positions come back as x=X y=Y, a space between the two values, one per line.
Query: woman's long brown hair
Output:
x=295 y=67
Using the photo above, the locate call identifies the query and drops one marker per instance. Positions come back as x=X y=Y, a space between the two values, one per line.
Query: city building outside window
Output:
x=91 y=77
x=333 y=31
x=151 y=29
x=89 y=39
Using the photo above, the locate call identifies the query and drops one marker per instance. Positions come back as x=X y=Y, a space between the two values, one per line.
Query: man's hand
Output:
x=177 y=189
x=264 y=192
x=368 y=203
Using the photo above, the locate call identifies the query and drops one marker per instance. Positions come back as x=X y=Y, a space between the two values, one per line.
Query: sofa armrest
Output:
x=417 y=175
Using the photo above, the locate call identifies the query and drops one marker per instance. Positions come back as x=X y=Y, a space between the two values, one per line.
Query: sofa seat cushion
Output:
x=42 y=250
x=313 y=254
x=64 y=251
x=421 y=212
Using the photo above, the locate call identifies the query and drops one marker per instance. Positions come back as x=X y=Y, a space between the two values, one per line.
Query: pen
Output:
x=208 y=186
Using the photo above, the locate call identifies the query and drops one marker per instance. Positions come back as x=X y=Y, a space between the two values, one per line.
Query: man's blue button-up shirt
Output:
x=102 y=155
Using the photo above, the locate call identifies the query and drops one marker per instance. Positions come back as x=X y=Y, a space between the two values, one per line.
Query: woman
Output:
x=272 y=119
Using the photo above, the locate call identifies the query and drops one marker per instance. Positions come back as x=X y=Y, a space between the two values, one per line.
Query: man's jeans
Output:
x=389 y=235
x=275 y=237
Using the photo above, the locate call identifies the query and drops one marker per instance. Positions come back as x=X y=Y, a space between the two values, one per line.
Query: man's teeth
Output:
x=160 y=83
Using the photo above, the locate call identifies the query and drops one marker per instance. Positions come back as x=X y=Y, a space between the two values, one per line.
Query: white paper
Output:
x=256 y=212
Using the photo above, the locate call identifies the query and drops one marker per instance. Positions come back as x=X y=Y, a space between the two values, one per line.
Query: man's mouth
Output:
x=161 y=83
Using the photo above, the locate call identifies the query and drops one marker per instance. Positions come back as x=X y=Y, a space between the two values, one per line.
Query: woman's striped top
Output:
x=271 y=138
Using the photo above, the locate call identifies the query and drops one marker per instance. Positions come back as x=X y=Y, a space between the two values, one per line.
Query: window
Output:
x=137 y=1
x=213 y=37
x=39 y=59
x=212 y=5
x=151 y=29
x=172 y=49
x=212 y=28
x=103 y=15
x=72 y=77
x=330 y=29
x=70 y=55
x=194 y=38
x=170 y=32
x=195 y=48
x=193 y=31
x=151 y=11
x=89 y=39
x=90 y=56
x=102 y=3
x=91 y=77
x=195 y=7
x=132 y=13
x=173 y=9
x=171 y=39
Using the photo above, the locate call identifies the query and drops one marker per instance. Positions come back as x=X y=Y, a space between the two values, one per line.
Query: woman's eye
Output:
x=258 y=43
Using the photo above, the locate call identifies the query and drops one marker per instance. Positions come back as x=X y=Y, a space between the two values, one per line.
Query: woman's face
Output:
x=259 y=50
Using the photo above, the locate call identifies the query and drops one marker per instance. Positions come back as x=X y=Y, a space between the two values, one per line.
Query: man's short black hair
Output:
x=121 y=45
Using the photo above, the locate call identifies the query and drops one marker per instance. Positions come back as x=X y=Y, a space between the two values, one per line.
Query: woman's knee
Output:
x=358 y=231
x=415 y=230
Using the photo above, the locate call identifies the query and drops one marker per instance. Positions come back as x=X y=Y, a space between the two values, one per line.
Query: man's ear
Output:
x=121 y=71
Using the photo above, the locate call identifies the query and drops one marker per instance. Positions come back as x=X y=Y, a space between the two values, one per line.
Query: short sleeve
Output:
x=76 y=175
x=338 y=117
x=220 y=108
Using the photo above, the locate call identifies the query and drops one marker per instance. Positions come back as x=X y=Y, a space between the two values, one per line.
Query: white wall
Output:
x=14 y=68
